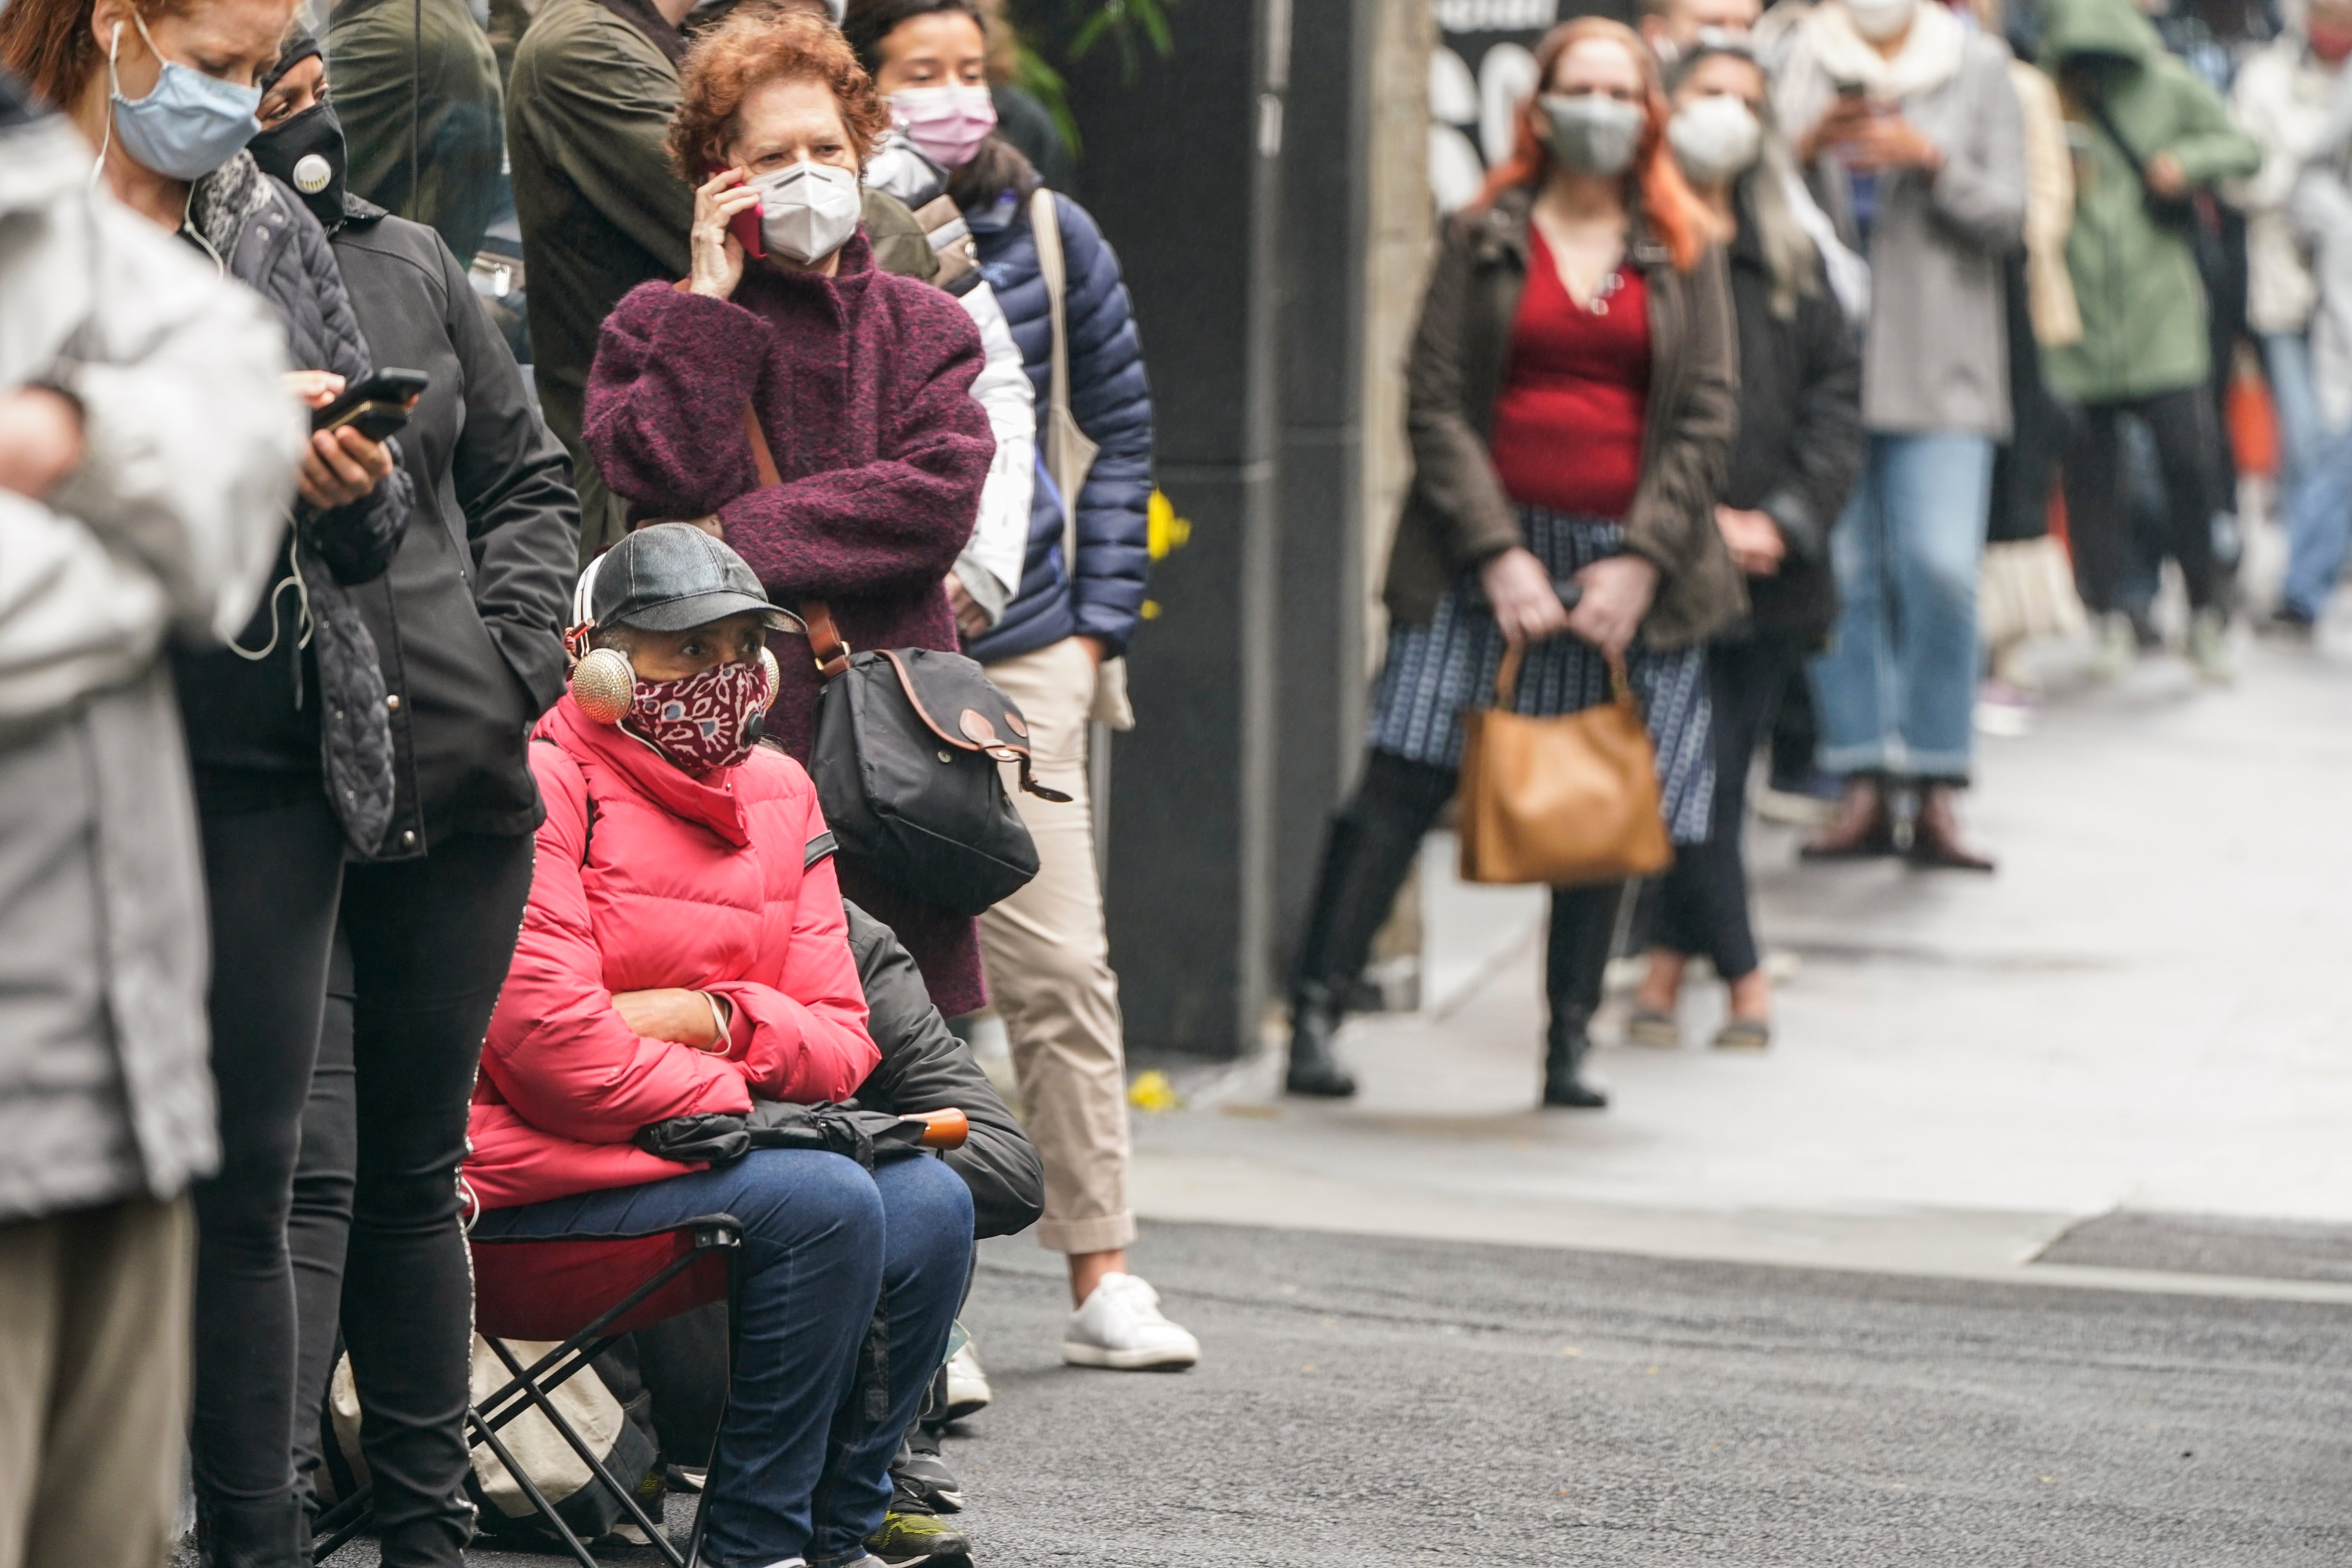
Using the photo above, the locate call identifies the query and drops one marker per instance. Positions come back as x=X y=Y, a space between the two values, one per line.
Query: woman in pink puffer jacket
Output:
x=684 y=950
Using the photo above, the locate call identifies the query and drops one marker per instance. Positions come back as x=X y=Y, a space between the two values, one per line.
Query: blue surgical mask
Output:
x=190 y=125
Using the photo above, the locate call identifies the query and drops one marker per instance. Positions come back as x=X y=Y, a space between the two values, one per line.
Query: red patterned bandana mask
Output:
x=708 y=721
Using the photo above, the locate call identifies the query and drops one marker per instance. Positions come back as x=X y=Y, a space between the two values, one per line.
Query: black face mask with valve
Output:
x=306 y=150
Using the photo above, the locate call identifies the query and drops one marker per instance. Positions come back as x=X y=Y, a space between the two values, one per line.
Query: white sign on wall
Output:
x=1472 y=106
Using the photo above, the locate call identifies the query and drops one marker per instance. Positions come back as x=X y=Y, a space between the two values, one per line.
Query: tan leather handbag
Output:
x=1563 y=800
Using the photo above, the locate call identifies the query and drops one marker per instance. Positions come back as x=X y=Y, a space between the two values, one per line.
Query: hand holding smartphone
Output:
x=377 y=407
x=745 y=225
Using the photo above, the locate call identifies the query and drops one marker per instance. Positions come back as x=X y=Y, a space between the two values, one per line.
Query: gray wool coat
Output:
x=1935 y=354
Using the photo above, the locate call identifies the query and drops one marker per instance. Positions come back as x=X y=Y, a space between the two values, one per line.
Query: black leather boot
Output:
x=1366 y=857
x=1314 y=1069
x=1564 y=1049
x=1575 y=963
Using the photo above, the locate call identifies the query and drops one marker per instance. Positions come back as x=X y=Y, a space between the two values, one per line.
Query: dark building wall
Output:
x=1322 y=283
x=1178 y=172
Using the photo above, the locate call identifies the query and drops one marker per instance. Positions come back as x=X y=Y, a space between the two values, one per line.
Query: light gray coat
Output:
x=167 y=528
x=1937 y=353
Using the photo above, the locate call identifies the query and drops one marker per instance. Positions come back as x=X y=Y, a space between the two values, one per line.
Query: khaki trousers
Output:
x=94 y=1315
x=1049 y=968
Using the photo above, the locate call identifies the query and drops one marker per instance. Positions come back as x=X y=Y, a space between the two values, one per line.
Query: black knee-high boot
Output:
x=1366 y=857
x=1583 y=921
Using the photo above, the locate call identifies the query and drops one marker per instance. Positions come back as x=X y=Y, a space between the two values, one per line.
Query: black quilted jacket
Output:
x=251 y=723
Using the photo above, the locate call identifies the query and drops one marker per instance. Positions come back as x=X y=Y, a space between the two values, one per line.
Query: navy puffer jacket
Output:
x=1112 y=402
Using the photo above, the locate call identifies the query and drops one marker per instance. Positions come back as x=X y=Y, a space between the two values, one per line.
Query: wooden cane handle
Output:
x=943 y=1129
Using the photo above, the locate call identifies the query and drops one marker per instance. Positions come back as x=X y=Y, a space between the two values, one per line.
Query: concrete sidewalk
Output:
x=2147 y=1008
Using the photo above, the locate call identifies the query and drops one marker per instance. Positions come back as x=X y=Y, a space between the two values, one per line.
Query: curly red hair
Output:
x=1672 y=212
x=757 y=45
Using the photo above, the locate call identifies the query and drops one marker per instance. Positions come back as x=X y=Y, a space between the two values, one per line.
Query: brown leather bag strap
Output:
x=1507 y=677
x=762 y=460
x=826 y=644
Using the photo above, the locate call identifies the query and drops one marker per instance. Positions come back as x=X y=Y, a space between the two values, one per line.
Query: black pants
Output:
x=421 y=952
x=1370 y=850
x=272 y=878
x=1700 y=905
x=2097 y=512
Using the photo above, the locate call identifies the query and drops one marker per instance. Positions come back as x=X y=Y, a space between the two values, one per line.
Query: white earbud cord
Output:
x=301 y=620
x=114 y=87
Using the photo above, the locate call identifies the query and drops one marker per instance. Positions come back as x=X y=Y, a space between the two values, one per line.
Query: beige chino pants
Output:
x=1049 y=968
x=94 y=1330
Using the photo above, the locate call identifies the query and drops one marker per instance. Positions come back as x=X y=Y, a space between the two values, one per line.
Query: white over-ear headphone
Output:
x=602 y=681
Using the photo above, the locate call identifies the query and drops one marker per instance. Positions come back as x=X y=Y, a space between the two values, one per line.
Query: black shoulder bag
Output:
x=907 y=743
x=2180 y=214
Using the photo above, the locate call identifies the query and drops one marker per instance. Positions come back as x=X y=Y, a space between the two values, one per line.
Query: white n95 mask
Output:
x=1715 y=139
x=808 y=211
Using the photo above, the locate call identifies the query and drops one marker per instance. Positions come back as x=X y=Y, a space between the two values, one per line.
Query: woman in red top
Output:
x=1572 y=400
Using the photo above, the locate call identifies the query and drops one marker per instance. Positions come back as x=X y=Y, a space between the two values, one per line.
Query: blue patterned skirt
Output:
x=1434 y=671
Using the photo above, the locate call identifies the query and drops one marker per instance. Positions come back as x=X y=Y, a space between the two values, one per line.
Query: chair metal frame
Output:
x=529 y=1388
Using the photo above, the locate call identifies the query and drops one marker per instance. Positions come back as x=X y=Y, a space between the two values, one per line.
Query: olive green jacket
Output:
x=2135 y=279
x=588 y=113
x=417 y=89
x=1456 y=513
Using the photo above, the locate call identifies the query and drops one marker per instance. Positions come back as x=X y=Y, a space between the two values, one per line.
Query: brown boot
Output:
x=1863 y=827
x=1936 y=833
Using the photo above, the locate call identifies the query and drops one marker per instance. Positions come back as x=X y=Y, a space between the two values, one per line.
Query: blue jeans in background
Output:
x=2314 y=479
x=800 y=1469
x=1897 y=691
x=2318 y=519
x=2302 y=428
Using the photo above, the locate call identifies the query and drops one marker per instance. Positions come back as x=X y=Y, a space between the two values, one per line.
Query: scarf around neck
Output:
x=1930 y=54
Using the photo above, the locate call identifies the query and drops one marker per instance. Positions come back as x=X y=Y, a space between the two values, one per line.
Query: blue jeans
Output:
x=2314 y=477
x=1897 y=688
x=800 y=1469
x=2302 y=428
x=2318 y=519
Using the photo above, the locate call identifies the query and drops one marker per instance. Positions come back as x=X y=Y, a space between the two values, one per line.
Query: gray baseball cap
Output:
x=669 y=576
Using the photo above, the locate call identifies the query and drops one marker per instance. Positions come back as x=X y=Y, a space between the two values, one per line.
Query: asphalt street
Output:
x=2029 y=1241
x=1367 y=1400
x=1370 y=1400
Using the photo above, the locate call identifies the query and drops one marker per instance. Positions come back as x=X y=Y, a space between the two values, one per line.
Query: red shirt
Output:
x=1568 y=423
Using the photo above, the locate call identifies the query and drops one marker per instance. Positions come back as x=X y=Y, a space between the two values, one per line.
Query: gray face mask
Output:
x=1594 y=134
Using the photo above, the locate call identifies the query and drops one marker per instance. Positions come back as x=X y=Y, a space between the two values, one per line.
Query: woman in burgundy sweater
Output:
x=860 y=380
x=1572 y=401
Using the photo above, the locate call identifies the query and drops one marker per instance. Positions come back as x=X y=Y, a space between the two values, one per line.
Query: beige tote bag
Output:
x=1069 y=454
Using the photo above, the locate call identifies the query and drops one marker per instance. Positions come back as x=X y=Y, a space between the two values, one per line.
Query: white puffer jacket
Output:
x=167 y=528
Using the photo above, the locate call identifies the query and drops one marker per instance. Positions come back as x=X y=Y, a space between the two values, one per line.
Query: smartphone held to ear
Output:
x=744 y=225
x=376 y=407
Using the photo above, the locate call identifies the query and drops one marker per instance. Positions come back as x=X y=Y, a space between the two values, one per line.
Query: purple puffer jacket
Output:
x=863 y=387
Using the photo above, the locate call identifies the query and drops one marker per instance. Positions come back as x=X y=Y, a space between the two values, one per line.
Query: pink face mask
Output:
x=708 y=720
x=947 y=124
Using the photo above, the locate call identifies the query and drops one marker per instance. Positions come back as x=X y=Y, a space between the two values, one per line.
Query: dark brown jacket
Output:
x=1456 y=513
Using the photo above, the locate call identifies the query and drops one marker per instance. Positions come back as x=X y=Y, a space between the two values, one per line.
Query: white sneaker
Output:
x=1120 y=1326
x=968 y=1390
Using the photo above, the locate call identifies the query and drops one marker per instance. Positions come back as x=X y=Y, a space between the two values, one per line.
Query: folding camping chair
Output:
x=577 y=1289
